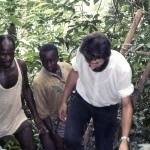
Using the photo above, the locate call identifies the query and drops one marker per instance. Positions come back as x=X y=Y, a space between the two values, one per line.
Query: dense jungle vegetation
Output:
x=64 y=23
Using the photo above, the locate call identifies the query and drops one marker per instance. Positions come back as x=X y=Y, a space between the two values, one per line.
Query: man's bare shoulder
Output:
x=21 y=62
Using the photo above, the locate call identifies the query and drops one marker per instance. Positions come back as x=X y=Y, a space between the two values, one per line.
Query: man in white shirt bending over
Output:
x=103 y=80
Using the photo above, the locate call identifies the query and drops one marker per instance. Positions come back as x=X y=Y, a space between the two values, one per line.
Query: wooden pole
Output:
x=139 y=87
x=131 y=32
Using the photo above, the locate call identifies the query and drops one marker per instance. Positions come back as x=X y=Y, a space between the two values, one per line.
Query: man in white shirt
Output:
x=103 y=80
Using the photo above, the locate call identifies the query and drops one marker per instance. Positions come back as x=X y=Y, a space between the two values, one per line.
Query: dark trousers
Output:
x=79 y=114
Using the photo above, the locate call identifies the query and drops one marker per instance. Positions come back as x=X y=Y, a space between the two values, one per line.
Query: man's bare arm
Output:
x=28 y=95
x=70 y=84
x=127 y=113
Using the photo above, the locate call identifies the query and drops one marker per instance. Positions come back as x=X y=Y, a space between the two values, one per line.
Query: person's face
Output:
x=98 y=65
x=49 y=61
x=6 y=54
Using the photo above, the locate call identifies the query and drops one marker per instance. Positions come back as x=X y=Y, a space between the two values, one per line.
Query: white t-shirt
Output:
x=107 y=87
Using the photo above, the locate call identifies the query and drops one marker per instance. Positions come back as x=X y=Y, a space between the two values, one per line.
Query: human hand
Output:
x=63 y=111
x=40 y=125
x=123 y=145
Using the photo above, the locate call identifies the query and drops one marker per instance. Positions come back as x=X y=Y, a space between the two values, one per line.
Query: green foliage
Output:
x=11 y=143
x=14 y=20
x=65 y=22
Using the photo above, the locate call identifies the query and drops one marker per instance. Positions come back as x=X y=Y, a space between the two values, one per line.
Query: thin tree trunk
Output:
x=131 y=32
x=139 y=87
x=141 y=53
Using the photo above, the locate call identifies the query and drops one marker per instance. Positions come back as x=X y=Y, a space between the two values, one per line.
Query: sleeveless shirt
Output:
x=11 y=113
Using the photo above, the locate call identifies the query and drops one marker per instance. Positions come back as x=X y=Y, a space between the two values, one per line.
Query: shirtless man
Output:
x=13 y=85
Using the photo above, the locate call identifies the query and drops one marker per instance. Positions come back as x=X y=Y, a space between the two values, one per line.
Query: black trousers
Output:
x=104 y=120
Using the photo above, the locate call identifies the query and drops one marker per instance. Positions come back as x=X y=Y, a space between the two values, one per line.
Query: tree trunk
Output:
x=139 y=87
x=140 y=53
x=131 y=32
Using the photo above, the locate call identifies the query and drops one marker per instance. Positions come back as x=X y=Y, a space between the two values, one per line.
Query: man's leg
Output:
x=78 y=116
x=24 y=136
x=47 y=141
x=105 y=123
x=59 y=136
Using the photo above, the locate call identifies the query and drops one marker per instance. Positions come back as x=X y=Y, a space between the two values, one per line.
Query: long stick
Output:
x=139 y=87
x=140 y=53
x=131 y=32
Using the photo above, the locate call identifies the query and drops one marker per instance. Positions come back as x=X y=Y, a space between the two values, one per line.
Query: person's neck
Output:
x=3 y=69
x=57 y=71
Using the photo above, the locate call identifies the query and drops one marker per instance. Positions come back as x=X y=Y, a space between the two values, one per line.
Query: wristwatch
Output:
x=124 y=138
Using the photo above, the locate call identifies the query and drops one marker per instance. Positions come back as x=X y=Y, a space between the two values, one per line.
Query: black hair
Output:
x=6 y=37
x=47 y=47
x=95 y=46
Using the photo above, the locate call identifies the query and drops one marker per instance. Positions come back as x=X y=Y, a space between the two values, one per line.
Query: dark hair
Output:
x=48 y=47
x=95 y=46
x=6 y=37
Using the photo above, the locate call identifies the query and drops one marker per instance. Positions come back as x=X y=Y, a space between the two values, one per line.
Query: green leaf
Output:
x=139 y=46
x=148 y=45
x=95 y=1
x=90 y=29
x=30 y=4
x=1 y=24
x=48 y=11
x=109 y=22
x=87 y=3
x=15 y=21
x=94 y=28
x=25 y=42
x=39 y=5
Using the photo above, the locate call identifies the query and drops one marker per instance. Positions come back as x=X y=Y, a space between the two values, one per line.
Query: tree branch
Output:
x=131 y=32
x=139 y=87
x=140 y=53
